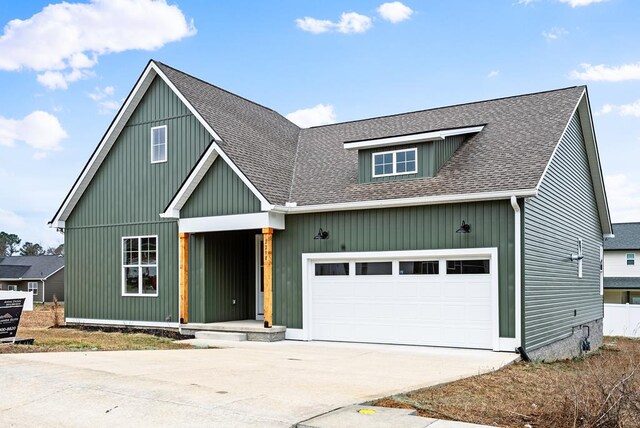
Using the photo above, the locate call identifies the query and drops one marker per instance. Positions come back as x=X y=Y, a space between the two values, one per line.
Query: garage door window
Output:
x=373 y=268
x=419 y=268
x=463 y=267
x=332 y=269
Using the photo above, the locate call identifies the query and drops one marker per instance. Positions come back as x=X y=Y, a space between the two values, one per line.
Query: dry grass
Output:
x=601 y=390
x=38 y=324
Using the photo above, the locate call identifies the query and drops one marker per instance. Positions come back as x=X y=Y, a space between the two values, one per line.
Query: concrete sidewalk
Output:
x=242 y=384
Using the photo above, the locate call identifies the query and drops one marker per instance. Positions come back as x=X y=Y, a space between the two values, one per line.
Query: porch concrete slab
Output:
x=239 y=384
x=244 y=326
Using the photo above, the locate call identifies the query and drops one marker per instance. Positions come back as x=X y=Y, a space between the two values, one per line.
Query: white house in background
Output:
x=622 y=264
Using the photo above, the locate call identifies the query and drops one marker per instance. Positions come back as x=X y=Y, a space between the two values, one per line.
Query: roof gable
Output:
x=30 y=267
x=627 y=237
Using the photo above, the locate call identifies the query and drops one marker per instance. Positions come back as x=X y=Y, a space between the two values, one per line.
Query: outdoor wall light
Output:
x=464 y=228
x=322 y=234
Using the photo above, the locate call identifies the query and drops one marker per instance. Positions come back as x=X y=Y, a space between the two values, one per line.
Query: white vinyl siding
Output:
x=616 y=264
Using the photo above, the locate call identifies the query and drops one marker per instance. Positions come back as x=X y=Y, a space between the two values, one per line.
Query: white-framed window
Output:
x=159 y=144
x=33 y=287
x=395 y=162
x=631 y=259
x=12 y=287
x=140 y=266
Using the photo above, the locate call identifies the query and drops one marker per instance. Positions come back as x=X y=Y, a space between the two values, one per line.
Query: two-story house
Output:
x=622 y=264
x=477 y=225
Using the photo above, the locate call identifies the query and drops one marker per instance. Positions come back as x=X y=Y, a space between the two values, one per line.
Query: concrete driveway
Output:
x=242 y=384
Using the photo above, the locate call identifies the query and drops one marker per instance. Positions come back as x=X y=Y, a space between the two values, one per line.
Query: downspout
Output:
x=43 y=298
x=518 y=269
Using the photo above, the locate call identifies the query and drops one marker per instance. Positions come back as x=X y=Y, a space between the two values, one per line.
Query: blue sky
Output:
x=66 y=68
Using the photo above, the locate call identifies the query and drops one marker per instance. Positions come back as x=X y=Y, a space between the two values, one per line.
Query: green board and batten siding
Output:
x=394 y=229
x=432 y=155
x=564 y=210
x=220 y=192
x=125 y=198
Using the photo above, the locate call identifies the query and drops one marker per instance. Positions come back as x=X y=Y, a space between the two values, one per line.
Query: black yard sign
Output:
x=10 y=311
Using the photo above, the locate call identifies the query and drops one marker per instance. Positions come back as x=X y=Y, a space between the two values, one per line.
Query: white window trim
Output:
x=393 y=163
x=30 y=285
x=122 y=268
x=633 y=259
x=166 y=144
x=12 y=287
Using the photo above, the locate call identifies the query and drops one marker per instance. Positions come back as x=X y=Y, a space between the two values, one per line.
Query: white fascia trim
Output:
x=105 y=145
x=498 y=343
x=588 y=132
x=406 y=202
x=231 y=222
x=122 y=323
x=190 y=185
x=414 y=138
x=52 y=273
x=213 y=133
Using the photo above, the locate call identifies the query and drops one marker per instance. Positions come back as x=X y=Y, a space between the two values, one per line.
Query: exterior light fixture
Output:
x=322 y=234
x=464 y=228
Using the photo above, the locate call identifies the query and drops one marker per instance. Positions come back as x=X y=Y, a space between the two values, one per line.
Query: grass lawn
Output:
x=38 y=325
x=601 y=390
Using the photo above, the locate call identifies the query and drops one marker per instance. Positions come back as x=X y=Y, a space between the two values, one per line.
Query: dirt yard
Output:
x=38 y=324
x=601 y=390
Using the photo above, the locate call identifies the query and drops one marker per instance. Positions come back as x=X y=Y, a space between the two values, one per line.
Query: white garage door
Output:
x=414 y=301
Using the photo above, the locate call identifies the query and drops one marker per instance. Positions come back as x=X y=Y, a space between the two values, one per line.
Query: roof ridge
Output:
x=226 y=91
x=449 y=106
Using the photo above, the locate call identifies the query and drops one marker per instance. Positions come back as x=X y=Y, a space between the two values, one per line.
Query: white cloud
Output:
x=315 y=26
x=623 y=195
x=107 y=107
x=526 y=2
x=602 y=72
x=395 y=12
x=632 y=109
x=320 y=114
x=578 y=3
x=350 y=22
x=76 y=34
x=40 y=130
x=100 y=94
x=104 y=98
x=493 y=73
x=10 y=221
x=554 y=34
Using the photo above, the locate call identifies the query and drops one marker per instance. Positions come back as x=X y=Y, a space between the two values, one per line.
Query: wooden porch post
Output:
x=267 y=242
x=184 y=277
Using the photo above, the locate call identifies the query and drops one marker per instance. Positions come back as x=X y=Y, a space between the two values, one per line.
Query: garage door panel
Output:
x=437 y=310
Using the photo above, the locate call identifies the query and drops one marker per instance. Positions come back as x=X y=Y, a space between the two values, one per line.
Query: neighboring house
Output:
x=622 y=264
x=42 y=275
x=477 y=225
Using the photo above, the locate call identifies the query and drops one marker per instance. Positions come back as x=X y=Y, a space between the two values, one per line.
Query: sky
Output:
x=65 y=69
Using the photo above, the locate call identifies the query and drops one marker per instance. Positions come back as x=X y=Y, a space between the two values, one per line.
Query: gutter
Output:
x=292 y=208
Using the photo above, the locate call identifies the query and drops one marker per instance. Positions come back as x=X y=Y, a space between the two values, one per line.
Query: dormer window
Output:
x=396 y=162
x=159 y=144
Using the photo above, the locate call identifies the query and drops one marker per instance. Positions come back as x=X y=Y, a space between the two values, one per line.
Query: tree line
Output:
x=10 y=246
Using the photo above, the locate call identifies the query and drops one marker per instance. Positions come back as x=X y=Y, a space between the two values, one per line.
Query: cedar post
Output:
x=267 y=242
x=184 y=277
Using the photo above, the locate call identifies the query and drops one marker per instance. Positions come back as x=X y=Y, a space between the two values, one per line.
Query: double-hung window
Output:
x=631 y=259
x=33 y=287
x=396 y=162
x=140 y=266
x=159 y=144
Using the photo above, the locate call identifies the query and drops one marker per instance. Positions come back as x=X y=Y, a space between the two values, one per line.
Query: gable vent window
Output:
x=397 y=162
x=159 y=144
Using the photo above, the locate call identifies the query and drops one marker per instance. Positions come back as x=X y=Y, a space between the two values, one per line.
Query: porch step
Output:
x=252 y=330
x=221 y=335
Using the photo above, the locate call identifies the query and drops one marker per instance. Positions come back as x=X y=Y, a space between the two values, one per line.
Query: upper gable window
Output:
x=396 y=162
x=159 y=144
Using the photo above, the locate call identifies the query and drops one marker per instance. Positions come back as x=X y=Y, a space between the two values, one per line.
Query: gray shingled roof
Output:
x=37 y=267
x=511 y=152
x=260 y=141
x=627 y=237
x=618 y=282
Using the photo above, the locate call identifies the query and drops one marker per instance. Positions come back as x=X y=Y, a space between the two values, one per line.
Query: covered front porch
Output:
x=226 y=275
